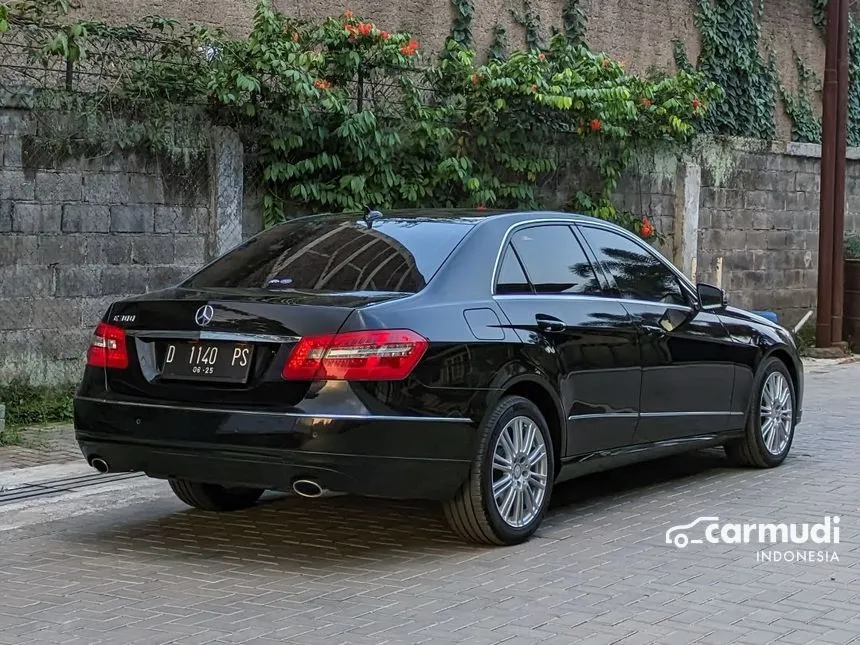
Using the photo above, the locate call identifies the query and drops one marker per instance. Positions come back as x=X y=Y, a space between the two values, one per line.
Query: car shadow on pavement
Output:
x=288 y=533
x=635 y=480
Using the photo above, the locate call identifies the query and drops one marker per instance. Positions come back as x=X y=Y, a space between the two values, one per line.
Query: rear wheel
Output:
x=212 y=497
x=506 y=496
x=770 y=423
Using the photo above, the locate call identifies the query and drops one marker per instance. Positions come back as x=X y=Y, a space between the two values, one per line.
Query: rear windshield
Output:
x=338 y=254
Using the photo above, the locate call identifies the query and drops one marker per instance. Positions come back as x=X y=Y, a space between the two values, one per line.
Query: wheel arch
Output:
x=540 y=393
x=783 y=355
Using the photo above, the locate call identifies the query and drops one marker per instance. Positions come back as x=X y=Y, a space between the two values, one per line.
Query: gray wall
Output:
x=761 y=217
x=78 y=234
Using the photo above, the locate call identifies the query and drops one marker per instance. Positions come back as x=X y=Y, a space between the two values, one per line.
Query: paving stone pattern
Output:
x=370 y=572
x=40 y=446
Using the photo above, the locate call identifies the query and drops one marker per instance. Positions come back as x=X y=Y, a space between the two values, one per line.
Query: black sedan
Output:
x=469 y=357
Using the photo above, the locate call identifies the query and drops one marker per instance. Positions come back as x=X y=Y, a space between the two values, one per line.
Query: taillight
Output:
x=384 y=355
x=108 y=348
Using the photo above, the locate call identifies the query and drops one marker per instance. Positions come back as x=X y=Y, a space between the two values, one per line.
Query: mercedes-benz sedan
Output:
x=469 y=357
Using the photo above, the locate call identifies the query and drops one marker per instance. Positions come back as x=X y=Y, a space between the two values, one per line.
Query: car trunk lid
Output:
x=223 y=345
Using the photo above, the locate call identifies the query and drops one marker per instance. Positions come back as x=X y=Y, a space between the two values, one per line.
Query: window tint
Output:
x=637 y=272
x=338 y=254
x=511 y=276
x=554 y=261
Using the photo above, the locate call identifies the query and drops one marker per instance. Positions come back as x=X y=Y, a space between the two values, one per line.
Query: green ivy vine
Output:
x=339 y=113
x=853 y=82
x=819 y=14
x=805 y=122
x=529 y=19
x=799 y=106
x=731 y=58
x=575 y=21
x=461 y=29
x=498 y=49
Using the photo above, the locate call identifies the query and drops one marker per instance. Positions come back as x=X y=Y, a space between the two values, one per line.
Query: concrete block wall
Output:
x=646 y=191
x=758 y=225
x=76 y=235
x=755 y=231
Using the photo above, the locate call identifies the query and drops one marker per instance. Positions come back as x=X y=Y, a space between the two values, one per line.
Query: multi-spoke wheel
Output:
x=770 y=424
x=507 y=494
x=519 y=471
x=777 y=413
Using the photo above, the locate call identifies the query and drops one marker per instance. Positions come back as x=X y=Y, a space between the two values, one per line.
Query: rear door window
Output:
x=554 y=260
x=512 y=279
x=338 y=254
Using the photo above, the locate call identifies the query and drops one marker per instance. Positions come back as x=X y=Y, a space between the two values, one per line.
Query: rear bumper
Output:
x=396 y=457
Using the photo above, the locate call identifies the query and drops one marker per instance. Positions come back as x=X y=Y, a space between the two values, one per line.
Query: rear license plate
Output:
x=216 y=362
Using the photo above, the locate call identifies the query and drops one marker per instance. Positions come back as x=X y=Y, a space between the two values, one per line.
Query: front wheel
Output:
x=506 y=496
x=770 y=424
x=212 y=497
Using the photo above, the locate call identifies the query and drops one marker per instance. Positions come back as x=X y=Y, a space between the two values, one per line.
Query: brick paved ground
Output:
x=41 y=445
x=363 y=572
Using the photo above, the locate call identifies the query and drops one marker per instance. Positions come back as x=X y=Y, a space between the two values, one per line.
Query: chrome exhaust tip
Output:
x=307 y=488
x=100 y=465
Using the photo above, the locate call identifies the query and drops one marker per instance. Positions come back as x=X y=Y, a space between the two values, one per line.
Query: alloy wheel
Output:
x=519 y=472
x=777 y=413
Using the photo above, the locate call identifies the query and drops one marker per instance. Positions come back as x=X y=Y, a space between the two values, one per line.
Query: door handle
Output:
x=549 y=323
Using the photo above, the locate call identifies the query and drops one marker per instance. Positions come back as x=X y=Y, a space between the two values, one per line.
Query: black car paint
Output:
x=416 y=438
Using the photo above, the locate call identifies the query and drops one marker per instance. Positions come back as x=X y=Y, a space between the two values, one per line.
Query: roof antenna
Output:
x=371 y=215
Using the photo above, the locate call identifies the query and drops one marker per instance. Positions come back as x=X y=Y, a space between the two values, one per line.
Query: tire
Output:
x=474 y=513
x=212 y=497
x=760 y=447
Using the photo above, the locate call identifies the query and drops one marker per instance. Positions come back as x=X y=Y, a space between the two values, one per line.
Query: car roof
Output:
x=472 y=215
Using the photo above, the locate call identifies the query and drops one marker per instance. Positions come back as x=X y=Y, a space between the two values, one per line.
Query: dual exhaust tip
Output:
x=100 y=465
x=307 y=488
x=301 y=487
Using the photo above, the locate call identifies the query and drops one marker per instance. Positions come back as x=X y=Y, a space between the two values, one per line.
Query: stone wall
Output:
x=753 y=207
x=77 y=234
x=638 y=31
x=758 y=225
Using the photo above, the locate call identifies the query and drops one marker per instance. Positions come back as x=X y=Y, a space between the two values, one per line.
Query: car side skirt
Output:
x=582 y=465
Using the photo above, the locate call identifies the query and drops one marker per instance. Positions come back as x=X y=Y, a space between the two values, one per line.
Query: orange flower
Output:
x=622 y=63
x=607 y=62
x=475 y=79
x=696 y=104
x=365 y=28
x=409 y=48
x=646 y=229
x=647 y=103
x=322 y=84
x=596 y=125
x=295 y=36
x=542 y=56
x=384 y=35
x=352 y=30
x=348 y=14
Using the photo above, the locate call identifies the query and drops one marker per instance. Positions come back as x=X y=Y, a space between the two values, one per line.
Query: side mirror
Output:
x=710 y=297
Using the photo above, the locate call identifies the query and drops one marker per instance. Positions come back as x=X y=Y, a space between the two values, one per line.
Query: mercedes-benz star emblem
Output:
x=204 y=315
